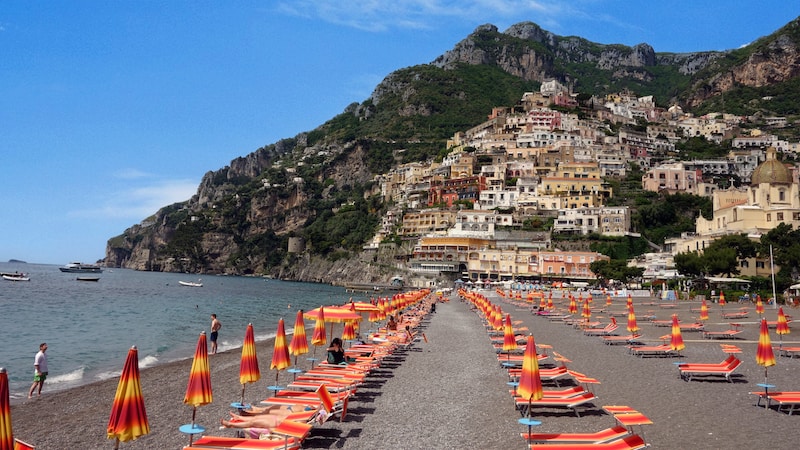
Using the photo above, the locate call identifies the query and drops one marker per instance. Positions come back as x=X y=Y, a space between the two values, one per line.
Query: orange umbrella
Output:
x=280 y=354
x=573 y=307
x=587 y=311
x=764 y=355
x=542 y=303
x=703 y=310
x=299 y=344
x=334 y=314
x=550 y=300
x=630 y=300
x=676 y=340
x=782 y=327
x=509 y=340
x=6 y=434
x=128 y=418
x=349 y=332
x=248 y=367
x=530 y=381
x=632 y=326
x=198 y=392
x=759 y=305
x=721 y=298
x=608 y=299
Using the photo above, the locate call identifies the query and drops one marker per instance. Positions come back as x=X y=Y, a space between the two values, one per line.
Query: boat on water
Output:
x=77 y=267
x=190 y=283
x=16 y=277
x=88 y=278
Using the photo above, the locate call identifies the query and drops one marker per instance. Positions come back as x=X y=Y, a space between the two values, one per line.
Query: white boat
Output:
x=77 y=267
x=190 y=283
x=20 y=277
x=88 y=278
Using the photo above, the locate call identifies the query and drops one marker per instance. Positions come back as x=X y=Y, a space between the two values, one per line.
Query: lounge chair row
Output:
x=725 y=369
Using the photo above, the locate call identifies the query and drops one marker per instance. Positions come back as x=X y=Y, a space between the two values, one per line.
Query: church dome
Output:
x=771 y=171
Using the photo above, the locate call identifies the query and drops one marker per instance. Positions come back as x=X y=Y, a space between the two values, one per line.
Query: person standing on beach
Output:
x=40 y=366
x=215 y=326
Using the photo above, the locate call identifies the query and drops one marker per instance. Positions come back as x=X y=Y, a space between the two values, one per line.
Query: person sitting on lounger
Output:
x=336 y=352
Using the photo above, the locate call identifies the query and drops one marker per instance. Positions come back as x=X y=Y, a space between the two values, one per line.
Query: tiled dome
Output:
x=771 y=171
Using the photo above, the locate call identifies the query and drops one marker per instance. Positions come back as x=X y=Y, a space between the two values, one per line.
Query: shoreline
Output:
x=451 y=392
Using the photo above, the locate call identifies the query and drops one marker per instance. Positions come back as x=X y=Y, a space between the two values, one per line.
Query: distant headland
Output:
x=17 y=261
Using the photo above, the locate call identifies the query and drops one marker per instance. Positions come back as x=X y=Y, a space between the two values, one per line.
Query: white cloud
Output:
x=381 y=15
x=131 y=174
x=137 y=203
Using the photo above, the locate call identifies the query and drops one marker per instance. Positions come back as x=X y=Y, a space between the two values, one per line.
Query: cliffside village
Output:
x=467 y=211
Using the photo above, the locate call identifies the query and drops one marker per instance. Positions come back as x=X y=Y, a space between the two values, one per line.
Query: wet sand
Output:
x=451 y=392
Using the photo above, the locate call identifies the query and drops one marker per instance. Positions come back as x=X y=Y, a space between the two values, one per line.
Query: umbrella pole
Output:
x=242 y=402
x=191 y=436
x=116 y=444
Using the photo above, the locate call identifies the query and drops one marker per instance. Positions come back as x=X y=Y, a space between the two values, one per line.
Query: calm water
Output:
x=89 y=326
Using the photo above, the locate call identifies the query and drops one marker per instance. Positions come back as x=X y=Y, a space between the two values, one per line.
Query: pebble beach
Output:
x=451 y=391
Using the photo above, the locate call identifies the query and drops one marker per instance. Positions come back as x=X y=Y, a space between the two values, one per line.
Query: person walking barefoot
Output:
x=40 y=366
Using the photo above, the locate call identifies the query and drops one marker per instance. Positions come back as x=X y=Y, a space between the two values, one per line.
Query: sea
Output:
x=89 y=326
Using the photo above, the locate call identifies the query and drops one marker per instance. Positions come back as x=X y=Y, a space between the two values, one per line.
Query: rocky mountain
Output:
x=318 y=187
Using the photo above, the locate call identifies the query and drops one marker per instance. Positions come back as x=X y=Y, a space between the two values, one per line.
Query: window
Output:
x=769 y=217
x=779 y=216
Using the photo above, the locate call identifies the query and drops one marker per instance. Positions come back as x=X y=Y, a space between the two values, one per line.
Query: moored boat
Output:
x=16 y=277
x=88 y=278
x=190 y=283
x=77 y=267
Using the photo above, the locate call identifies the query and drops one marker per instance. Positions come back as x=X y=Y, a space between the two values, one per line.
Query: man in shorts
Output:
x=40 y=366
x=215 y=326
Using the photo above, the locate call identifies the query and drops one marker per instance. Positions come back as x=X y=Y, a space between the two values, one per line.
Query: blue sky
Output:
x=110 y=110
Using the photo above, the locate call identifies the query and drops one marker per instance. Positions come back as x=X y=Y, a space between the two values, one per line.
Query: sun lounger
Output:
x=546 y=374
x=605 y=331
x=653 y=350
x=554 y=393
x=727 y=334
x=571 y=402
x=688 y=371
x=599 y=437
x=790 y=399
x=735 y=315
x=696 y=326
x=630 y=442
x=616 y=340
x=20 y=445
x=790 y=352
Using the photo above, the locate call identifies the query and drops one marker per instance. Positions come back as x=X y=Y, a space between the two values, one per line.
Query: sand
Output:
x=451 y=393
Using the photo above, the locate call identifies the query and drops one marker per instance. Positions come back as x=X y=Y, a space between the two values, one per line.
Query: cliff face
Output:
x=243 y=214
x=769 y=61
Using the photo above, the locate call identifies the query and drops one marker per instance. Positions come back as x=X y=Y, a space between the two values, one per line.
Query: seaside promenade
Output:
x=451 y=392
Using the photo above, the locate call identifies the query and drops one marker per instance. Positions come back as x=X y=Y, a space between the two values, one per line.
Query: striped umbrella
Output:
x=630 y=300
x=299 y=344
x=573 y=307
x=703 y=310
x=280 y=354
x=198 y=391
x=509 y=340
x=550 y=305
x=676 y=340
x=764 y=355
x=248 y=366
x=334 y=314
x=759 y=305
x=722 y=298
x=530 y=381
x=542 y=303
x=128 y=419
x=319 y=337
x=782 y=326
x=608 y=299
x=6 y=433
x=349 y=332
x=632 y=326
x=587 y=311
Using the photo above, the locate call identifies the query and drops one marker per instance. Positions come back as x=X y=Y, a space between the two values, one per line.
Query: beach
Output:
x=451 y=392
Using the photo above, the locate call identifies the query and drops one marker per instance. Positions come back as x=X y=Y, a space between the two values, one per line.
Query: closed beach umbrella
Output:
x=782 y=327
x=587 y=311
x=299 y=344
x=198 y=391
x=550 y=305
x=6 y=434
x=759 y=305
x=280 y=354
x=573 y=307
x=530 y=381
x=248 y=366
x=128 y=419
x=676 y=339
x=764 y=355
x=542 y=303
x=349 y=332
x=703 y=310
x=318 y=337
x=632 y=326
x=630 y=300
x=509 y=340
x=608 y=299
x=721 y=298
